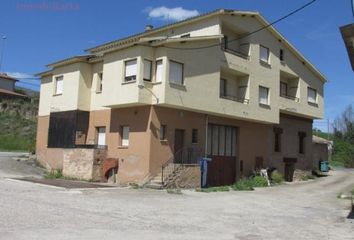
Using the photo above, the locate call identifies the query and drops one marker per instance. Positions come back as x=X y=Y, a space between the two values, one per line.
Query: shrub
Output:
x=243 y=184
x=259 y=181
x=277 y=178
x=214 y=189
x=55 y=173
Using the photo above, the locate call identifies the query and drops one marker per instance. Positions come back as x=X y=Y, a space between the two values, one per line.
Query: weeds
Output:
x=54 y=174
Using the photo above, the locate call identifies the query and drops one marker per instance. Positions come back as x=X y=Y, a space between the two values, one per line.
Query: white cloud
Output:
x=19 y=75
x=168 y=14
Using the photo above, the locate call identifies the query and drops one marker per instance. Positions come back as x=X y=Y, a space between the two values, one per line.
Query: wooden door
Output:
x=179 y=144
x=289 y=171
x=221 y=171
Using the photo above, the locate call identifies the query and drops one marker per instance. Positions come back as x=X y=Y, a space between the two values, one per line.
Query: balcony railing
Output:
x=235 y=98
x=296 y=99
x=234 y=52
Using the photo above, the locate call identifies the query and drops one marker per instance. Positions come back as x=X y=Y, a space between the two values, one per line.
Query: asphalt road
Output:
x=308 y=210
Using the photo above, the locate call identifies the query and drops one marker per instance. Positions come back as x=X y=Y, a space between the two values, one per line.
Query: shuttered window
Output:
x=125 y=136
x=263 y=95
x=159 y=71
x=59 y=84
x=176 y=73
x=311 y=95
x=264 y=54
x=147 y=70
x=130 y=70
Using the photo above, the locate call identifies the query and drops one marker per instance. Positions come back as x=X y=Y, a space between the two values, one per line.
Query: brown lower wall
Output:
x=146 y=152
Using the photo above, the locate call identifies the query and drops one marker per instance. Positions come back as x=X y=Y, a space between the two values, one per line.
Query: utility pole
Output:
x=3 y=39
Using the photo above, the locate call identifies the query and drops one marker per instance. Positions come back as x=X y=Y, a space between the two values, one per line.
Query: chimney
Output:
x=148 y=28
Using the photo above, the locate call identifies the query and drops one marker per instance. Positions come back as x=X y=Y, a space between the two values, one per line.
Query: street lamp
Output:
x=142 y=86
x=2 y=50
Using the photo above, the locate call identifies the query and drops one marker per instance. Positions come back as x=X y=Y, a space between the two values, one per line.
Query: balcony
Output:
x=234 y=42
x=234 y=86
x=289 y=85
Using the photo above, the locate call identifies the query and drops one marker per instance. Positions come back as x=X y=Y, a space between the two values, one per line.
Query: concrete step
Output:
x=154 y=186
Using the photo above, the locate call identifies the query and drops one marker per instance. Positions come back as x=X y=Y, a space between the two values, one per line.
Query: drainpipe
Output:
x=206 y=135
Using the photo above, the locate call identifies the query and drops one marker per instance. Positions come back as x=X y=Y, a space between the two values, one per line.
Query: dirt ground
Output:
x=307 y=210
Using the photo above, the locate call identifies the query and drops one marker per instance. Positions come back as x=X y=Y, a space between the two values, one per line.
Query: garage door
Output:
x=222 y=142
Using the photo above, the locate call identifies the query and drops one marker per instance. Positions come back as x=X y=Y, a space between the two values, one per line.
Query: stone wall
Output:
x=82 y=163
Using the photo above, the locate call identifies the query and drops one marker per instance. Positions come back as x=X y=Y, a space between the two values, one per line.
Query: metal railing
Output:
x=183 y=157
x=234 y=52
x=236 y=99
x=296 y=99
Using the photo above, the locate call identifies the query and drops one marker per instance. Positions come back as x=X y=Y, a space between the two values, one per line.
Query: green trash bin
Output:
x=324 y=166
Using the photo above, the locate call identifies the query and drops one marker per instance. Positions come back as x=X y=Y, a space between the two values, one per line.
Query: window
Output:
x=59 y=85
x=163 y=132
x=101 y=136
x=125 y=136
x=147 y=70
x=283 y=89
x=99 y=82
x=263 y=95
x=311 y=95
x=264 y=54
x=195 y=135
x=223 y=87
x=159 y=71
x=221 y=140
x=186 y=35
x=277 y=139
x=281 y=55
x=302 y=136
x=130 y=70
x=176 y=73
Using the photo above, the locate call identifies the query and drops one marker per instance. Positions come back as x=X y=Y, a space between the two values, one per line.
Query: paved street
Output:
x=309 y=210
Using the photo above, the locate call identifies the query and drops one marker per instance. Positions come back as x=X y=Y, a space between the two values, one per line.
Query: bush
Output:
x=343 y=152
x=55 y=173
x=277 y=178
x=259 y=181
x=243 y=184
x=214 y=189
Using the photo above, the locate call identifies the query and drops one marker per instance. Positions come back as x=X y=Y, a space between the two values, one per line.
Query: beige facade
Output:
x=227 y=84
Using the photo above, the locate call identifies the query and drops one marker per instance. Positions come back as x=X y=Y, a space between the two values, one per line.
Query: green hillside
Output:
x=18 y=121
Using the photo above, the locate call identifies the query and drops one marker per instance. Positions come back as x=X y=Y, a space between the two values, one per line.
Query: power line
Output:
x=250 y=33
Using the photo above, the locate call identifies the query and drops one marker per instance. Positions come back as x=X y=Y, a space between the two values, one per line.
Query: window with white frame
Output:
x=311 y=95
x=263 y=95
x=176 y=73
x=59 y=84
x=125 y=136
x=147 y=70
x=130 y=70
x=264 y=54
x=159 y=71
x=99 y=82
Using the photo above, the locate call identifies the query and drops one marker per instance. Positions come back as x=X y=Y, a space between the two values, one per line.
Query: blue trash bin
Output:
x=324 y=166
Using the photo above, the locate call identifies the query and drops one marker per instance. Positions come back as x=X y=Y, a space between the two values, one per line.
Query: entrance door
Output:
x=289 y=168
x=222 y=142
x=179 y=144
x=101 y=136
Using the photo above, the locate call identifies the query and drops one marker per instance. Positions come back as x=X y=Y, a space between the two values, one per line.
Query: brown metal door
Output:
x=179 y=144
x=221 y=171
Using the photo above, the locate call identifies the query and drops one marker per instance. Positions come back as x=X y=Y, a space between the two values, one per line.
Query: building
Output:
x=348 y=37
x=7 y=87
x=169 y=95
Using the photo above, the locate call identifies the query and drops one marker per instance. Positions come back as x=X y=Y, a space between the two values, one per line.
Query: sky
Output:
x=41 y=32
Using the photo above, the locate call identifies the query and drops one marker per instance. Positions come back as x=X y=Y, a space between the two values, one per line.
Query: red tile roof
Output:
x=7 y=92
x=5 y=76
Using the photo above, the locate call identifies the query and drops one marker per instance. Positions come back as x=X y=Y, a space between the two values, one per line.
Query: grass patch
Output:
x=54 y=174
x=214 y=189
x=277 y=178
